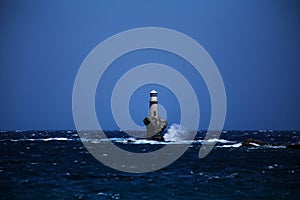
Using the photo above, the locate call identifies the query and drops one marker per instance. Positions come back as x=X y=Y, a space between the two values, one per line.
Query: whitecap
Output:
x=254 y=144
x=231 y=145
x=276 y=147
x=218 y=140
x=102 y=193
x=145 y=141
x=177 y=132
x=55 y=139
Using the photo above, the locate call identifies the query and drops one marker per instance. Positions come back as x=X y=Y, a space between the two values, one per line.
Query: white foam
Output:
x=177 y=132
x=218 y=140
x=145 y=141
x=41 y=139
x=276 y=147
x=102 y=193
x=231 y=145
x=254 y=144
x=55 y=139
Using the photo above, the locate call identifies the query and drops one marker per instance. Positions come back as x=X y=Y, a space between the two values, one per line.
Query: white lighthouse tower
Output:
x=154 y=124
x=153 y=104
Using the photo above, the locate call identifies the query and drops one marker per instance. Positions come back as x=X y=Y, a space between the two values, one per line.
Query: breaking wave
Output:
x=177 y=132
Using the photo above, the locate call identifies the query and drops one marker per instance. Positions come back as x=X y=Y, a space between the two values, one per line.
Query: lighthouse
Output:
x=154 y=124
x=153 y=107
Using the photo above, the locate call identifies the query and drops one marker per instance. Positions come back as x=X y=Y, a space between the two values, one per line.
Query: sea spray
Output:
x=177 y=132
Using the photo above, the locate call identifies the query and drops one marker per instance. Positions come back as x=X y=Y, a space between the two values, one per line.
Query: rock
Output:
x=253 y=143
x=293 y=146
x=155 y=126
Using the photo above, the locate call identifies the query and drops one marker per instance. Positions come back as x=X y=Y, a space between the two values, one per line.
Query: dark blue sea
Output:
x=56 y=165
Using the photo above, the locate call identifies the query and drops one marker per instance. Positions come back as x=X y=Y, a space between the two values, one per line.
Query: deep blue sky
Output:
x=255 y=44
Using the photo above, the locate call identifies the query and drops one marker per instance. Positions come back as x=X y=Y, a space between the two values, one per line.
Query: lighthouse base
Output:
x=155 y=127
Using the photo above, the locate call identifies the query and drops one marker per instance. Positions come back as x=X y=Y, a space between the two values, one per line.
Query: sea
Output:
x=56 y=165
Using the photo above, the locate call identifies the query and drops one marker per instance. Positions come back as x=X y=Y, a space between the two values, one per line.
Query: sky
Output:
x=255 y=45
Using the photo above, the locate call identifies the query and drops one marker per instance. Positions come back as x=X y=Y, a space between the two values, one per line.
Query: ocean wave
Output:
x=218 y=140
x=221 y=143
x=237 y=145
x=38 y=139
